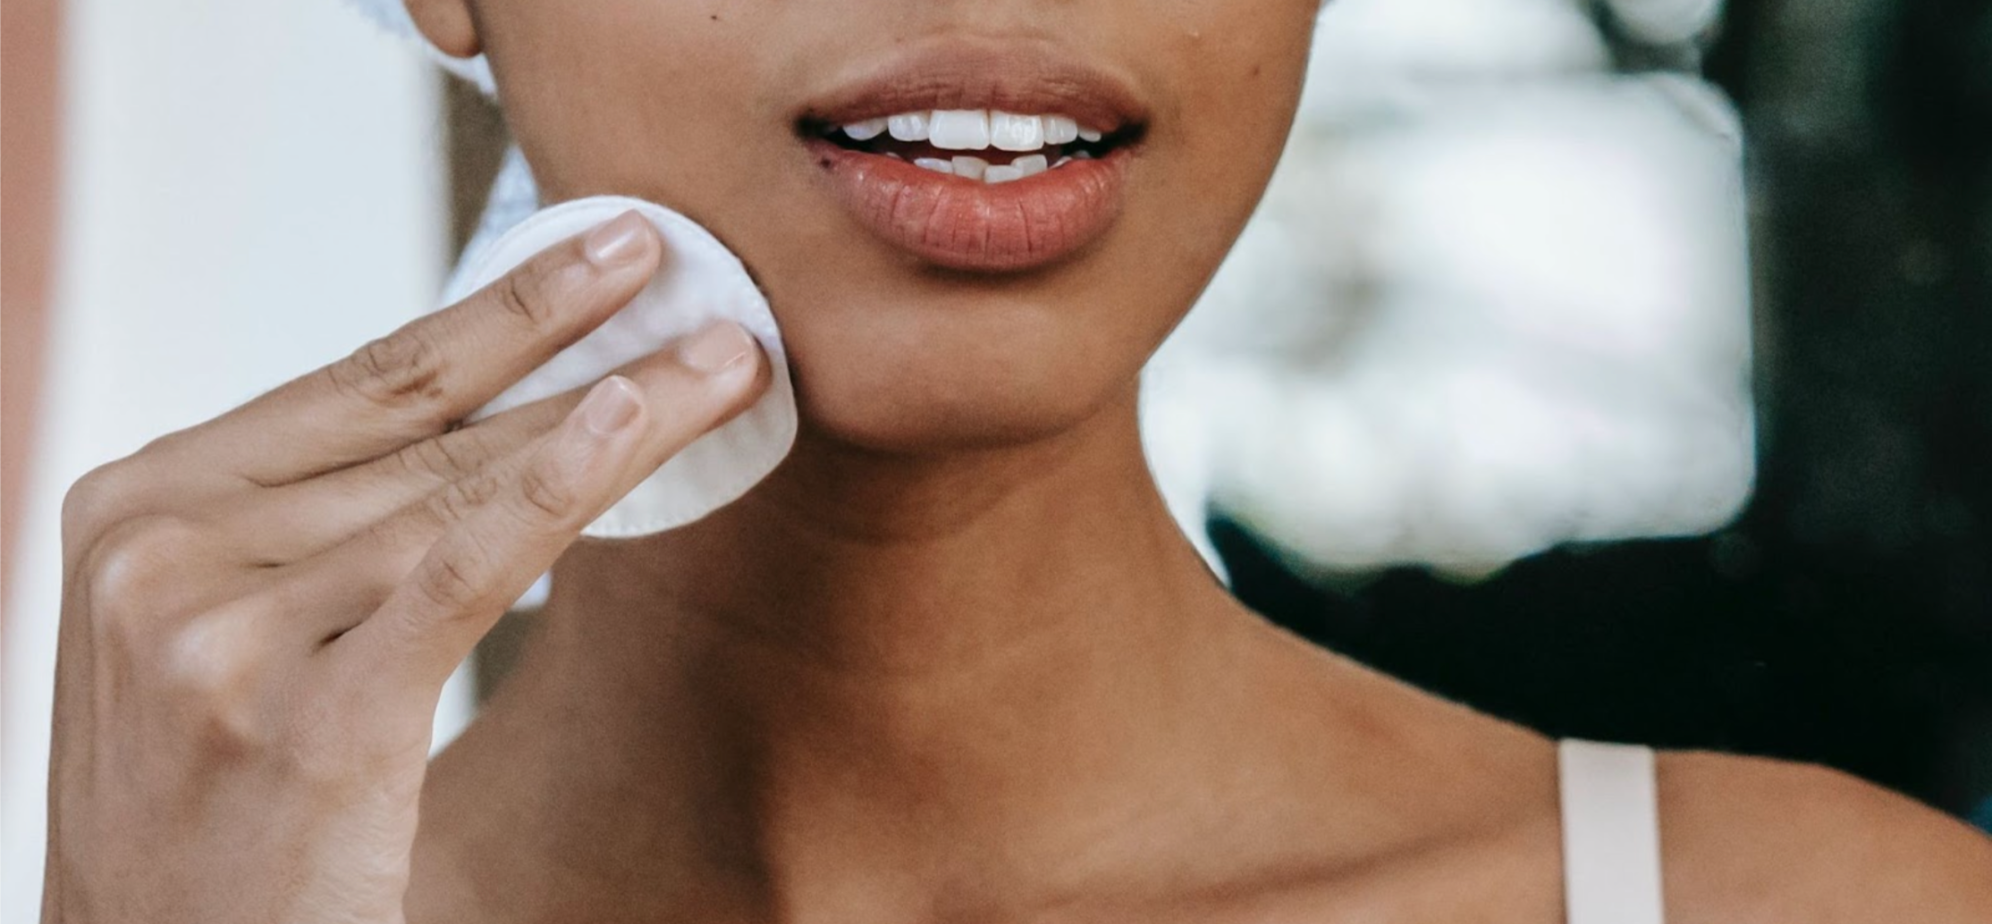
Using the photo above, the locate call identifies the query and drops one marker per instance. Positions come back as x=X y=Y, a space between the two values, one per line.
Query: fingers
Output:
x=504 y=528
x=415 y=382
x=325 y=511
x=298 y=520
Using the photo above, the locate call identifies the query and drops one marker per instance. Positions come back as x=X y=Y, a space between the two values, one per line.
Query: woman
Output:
x=952 y=662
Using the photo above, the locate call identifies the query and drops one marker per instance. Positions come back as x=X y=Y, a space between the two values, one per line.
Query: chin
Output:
x=958 y=375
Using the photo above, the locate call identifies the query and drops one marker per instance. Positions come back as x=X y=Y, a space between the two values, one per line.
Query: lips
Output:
x=978 y=156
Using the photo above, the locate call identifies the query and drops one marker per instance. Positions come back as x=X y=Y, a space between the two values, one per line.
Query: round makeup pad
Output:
x=700 y=281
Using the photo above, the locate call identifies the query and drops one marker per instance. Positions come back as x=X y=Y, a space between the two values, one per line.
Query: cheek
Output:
x=603 y=103
x=1240 y=67
x=1233 y=70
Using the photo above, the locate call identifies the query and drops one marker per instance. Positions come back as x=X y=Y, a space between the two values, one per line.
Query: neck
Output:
x=877 y=677
x=902 y=569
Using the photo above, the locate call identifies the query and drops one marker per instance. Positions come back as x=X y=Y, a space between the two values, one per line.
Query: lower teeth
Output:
x=975 y=168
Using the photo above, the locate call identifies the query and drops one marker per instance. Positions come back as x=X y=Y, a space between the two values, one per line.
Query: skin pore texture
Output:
x=954 y=661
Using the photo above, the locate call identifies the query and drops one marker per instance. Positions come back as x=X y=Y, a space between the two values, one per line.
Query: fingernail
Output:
x=610 y=406
x=617 y=241
x=716 y=346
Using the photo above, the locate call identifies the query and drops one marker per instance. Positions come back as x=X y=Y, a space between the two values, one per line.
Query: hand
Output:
x=259 y=612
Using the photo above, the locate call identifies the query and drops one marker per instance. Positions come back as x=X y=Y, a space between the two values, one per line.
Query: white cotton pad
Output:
x=700 y=281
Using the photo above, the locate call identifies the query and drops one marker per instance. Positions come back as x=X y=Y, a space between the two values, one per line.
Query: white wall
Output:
x=251 y=188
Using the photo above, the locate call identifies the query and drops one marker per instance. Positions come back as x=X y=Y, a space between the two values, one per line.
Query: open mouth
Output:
x=978 y=154
x=981 y=145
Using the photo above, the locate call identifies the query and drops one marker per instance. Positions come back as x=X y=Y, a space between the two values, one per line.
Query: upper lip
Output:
x=1029 y=78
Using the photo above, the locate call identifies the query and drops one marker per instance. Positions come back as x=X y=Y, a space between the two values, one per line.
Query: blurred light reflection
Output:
x=1496 y=300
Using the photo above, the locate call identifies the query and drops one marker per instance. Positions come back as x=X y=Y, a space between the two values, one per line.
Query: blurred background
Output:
x=1623 y=368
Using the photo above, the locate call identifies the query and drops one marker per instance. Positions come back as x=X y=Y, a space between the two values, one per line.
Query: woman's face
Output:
x=922 y=310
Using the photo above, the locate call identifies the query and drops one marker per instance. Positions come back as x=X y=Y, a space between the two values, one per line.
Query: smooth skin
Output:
x=952 y=662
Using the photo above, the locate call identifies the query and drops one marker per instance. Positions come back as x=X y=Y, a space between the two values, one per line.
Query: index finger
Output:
x=416 y=382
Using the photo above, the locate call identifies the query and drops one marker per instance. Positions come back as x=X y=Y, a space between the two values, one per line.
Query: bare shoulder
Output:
x=1767 y=842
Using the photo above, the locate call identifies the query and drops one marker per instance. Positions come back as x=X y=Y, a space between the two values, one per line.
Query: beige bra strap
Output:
x=1611 y=834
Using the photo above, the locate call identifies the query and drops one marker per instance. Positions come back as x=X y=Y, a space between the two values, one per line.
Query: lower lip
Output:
x=964 y=224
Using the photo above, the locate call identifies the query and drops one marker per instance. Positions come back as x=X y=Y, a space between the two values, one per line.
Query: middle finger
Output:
x=297 y=520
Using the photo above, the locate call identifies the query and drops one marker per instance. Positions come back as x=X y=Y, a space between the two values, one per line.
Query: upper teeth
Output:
x=975 y=129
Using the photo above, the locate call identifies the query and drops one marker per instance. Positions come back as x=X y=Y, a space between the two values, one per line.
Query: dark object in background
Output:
x=1846 y=619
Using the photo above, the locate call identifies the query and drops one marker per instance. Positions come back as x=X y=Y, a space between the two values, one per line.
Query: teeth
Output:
x=1011 y=132
x=866 y=130
x=960 y=129
x=1036 y=137
x=975 y=168
x=911 y=126
x=976 y=130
